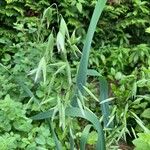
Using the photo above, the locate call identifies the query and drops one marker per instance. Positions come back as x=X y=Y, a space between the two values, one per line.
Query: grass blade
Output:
x=104 y=100
x=76 y=112
x=71 y=140
x=93 y=72
x=103 y=97
x=84 y=137
x=43 y=115
x=49 y=48
x=82 y=72
x=57 y=142
x=91 y=94
x=26 y=89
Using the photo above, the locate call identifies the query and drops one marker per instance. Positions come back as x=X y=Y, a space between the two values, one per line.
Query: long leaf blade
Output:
x=82 y=72
x=103 y=97
x=84 y=137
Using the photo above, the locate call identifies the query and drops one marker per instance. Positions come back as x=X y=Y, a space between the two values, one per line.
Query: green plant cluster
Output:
x=39 y=58
x=17 y=130
x=143 y=142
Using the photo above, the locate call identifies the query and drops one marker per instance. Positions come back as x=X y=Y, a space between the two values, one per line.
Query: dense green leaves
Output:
x=142 y=142
x=17 y=131
x=39 y=59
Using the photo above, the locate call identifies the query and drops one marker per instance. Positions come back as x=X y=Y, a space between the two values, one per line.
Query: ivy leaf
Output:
x=146 y=113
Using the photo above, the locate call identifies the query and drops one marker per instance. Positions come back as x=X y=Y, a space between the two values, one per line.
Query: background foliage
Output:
x=120 y=51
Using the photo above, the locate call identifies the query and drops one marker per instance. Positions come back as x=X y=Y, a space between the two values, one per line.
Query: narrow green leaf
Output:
x=82 y=72
x=60 y=42
x=57 y=142
x=49 y=47
x=47 y=15
x=91 y=94
x=43 y=115
x=80 y=106
x=103 y=98
x=140 y=123
x=107 y=100
x=84 y=137
x=41 y=67
x=92 y=72
x=76 y=112
x=55 y=111
x=110 y=121
x=61 y=110
x=68 y=70
x=5 y=68
x=63 y=28
x=71 y=140
x=26 y=89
